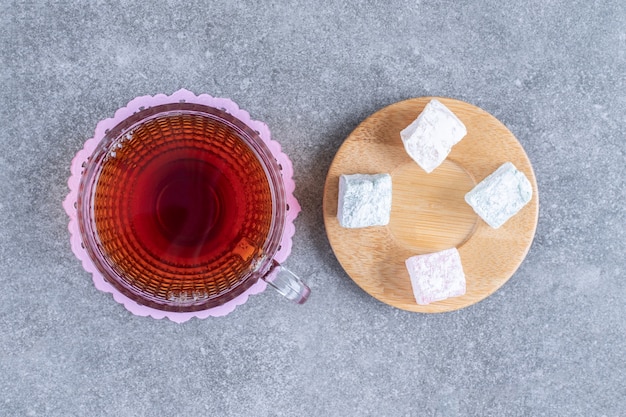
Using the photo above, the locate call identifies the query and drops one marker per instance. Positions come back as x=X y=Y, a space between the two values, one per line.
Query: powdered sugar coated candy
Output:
x=364 y=200
x=429 y=139
x=501 y=195
x=436 y=276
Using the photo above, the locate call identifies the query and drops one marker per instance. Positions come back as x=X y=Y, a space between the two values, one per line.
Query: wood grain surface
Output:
x=429 y=212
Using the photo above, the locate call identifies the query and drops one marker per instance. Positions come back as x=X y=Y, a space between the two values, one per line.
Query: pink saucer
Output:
x=132 y=107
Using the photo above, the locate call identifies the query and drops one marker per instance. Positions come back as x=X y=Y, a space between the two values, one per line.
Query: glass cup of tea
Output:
x=181 y=207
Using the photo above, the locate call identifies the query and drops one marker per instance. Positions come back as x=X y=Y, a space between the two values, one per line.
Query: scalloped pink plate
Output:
x=132 y=107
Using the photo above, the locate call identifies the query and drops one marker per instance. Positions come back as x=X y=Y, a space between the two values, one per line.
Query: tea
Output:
x=182 y=207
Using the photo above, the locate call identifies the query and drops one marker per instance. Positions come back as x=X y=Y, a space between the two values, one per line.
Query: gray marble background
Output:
x=551 y=342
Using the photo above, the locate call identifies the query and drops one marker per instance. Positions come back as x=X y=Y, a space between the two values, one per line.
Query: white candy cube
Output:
x=436 y=276
x=501 y=195
x=429 y=139
x=364 y=200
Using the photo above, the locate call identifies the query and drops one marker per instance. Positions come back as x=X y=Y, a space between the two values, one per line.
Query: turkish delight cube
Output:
x=364 y=200
x=429 y=139
x=501 y=195
x=436 y=276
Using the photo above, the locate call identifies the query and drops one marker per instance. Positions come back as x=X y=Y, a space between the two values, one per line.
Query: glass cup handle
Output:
x=287 y=283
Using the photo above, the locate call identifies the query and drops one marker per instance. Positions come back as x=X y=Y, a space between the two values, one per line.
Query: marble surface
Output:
x=551 y=342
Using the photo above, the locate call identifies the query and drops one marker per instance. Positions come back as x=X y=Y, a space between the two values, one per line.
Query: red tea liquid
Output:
x=182 y=207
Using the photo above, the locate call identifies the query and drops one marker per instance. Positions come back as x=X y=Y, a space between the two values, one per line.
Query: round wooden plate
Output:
x=429 y=212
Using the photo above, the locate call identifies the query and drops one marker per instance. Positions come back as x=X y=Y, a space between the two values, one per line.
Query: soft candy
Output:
x=429 y=139
x=364 y=200
x=436 y=276
x=501 y=195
